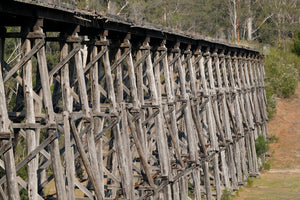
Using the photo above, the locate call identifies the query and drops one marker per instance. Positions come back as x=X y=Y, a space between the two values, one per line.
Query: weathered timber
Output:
x=141 y=111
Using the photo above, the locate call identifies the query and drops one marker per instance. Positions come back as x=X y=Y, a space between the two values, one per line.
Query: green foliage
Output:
x=282 y=75
x=266 y=165
x=24 y=194
x=226 y=195
x=296 y=41
x=191 y=188
x=79 y=171
x=271 y=102
x=250 y=181
x=261 y=145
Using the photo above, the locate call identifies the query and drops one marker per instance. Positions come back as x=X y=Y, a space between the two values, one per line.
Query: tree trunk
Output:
x=249 y=28
x=234 y=20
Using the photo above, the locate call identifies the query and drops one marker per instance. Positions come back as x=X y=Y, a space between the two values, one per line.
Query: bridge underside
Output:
x=124 y=110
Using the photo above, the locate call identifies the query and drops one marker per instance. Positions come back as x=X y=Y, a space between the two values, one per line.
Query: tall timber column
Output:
x=216 y=116
x=220 y=62
x=233 y=146
x=9 y=160
x=252 y=88
x=192 y=143
x=237 y=123
x=95 y=152
x=30 y=118
x=163 y=51
x=121 y=136
x=194 y=96
x=249 y=115
x=54 y=146
x=68 y=108
x=189 y=126
x=232 y=167
x=160 y=134
x=241 y=102
x=262 y=93
x=208 y=121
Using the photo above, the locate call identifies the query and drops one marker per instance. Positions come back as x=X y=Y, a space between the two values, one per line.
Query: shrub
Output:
x=226 y=195
x=261 y=145
x=266 y=165
x=282 y=75
x=250 y=182
x=296 y=41
x=271 y=102
x=282 y=72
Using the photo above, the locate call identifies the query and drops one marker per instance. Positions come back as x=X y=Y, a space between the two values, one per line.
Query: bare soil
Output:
x=282 y=181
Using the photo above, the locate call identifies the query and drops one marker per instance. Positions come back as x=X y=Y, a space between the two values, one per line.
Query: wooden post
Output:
x=30 y=118
x=225 y=112
x=216 y=117
x=9 y=161
x=68 y=108
x=207 y=121
x=171 y=105
x=55 y=156
x=96 y=123
x=121 y=136
x=239 y=112
x=194 y=91
x=249 y=115
x=161 y=138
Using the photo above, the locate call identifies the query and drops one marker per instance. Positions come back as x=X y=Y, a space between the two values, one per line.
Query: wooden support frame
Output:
x=145 y=116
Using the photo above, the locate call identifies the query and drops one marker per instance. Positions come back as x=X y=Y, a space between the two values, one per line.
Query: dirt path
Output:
x=283 y=180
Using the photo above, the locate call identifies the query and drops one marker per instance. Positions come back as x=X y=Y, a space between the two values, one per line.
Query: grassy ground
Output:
x=282 y=182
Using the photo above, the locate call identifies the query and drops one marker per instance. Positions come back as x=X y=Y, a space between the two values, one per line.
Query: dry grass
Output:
x=282 y=181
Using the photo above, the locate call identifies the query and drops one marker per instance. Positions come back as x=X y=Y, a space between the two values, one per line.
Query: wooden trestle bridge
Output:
x=145 y=112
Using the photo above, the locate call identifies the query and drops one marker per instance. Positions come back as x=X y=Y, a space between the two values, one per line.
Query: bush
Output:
x=296 y=41
x=282 y=75
x=282 y=72
x=271 y=102
x=261 y=145
x=250 y=182
x=266 y=165
x=226 y=195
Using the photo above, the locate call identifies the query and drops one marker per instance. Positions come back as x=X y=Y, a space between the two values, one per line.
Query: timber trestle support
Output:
x=125 y=110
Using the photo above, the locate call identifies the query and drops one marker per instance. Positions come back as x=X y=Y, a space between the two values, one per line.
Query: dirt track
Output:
x=283 y=180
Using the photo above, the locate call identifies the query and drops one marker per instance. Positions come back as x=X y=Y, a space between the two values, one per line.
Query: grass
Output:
x=272 y=186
